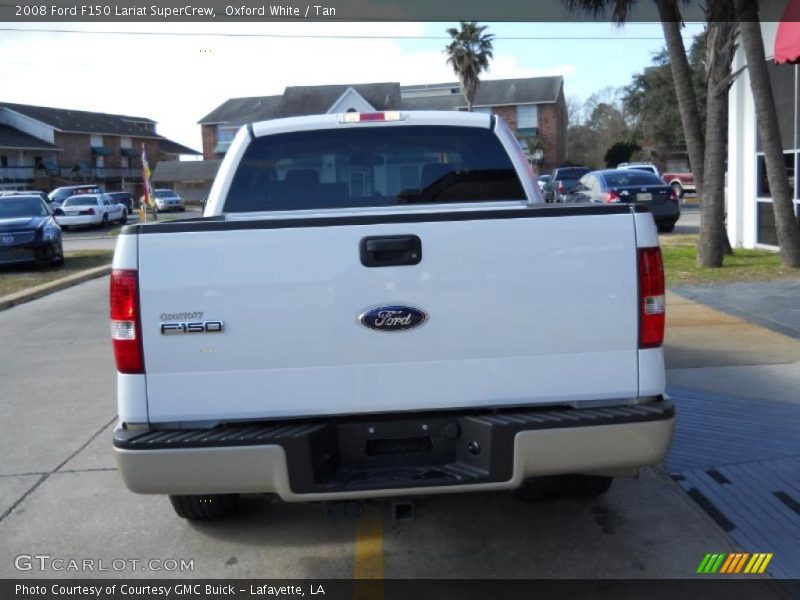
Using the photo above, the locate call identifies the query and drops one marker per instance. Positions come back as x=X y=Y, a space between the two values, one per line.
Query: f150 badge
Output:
x=192 y=327
x=393 y=318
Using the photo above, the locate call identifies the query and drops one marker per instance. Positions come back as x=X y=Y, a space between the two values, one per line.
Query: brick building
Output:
x=534 y=108
x=43 y=148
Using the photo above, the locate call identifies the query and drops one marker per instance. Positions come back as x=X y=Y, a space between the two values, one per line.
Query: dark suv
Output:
x=125 y=198
x=58 y=195
x=562 y=180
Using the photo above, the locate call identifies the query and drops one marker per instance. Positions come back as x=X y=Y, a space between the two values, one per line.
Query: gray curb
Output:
x=52 y=286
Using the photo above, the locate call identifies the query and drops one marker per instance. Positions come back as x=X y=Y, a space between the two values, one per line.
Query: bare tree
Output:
x=786 y=223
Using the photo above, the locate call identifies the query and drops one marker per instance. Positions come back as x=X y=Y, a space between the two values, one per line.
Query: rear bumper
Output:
x=669 y=212
x=361 y=458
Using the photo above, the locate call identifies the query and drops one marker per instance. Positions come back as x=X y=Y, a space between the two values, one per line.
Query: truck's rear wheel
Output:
x=211 y=506
x=563 y=486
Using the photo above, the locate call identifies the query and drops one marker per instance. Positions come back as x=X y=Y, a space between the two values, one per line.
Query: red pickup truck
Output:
x=682 y=183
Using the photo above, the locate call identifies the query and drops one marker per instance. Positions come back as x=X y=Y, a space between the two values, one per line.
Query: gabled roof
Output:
x=450 y=102
x=300 y=100
x=497 y=92
x=170 y=147
x=238 y=111
x=317 y=99
x=19 y=140
x=81 y=121
x=172 y=171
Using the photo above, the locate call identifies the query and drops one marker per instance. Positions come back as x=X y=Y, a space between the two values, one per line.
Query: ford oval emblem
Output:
x=393 y=318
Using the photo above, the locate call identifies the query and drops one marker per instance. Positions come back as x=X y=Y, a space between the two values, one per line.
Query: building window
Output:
x=226 y=133
x=125 y=142
x=528 y=119
x=3 y=161
x=124 y=162
x=765 y=224
x=762 y=183
x=782 y=81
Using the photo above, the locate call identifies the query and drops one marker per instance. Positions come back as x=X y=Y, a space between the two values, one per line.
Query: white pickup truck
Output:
x=381 y=304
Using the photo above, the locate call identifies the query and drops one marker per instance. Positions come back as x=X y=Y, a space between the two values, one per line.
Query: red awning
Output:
x=787 y=40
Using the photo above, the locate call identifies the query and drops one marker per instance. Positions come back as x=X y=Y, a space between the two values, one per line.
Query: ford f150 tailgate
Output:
x=402 y=297
x=519 y=311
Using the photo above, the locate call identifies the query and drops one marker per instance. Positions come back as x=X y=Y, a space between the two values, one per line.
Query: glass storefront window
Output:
x=782 y=80
x=762 y=184
x=765 y=217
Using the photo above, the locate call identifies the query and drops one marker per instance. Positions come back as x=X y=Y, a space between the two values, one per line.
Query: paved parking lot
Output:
x=60 y=493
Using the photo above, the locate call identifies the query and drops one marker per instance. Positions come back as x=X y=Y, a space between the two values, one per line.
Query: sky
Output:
x=177 y=79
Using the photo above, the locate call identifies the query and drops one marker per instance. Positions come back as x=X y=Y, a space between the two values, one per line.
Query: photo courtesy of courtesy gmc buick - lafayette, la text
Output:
x=382 y=305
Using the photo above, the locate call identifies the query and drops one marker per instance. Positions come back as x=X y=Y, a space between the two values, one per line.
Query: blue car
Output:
x=28 y=232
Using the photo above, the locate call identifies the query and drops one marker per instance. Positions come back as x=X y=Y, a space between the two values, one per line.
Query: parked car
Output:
x=124 y=198
x=58 y=195
x=467 y=374
x=37 y=193
x=561 y=182
x=681 y=182
x=641 y=166
x=90 y=209
x=28 y=232
x=167 y=200
x=614 y=186
x=542 y=180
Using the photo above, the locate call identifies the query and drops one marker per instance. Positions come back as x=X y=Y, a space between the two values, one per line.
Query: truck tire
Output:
x=678 y=189
x=211 y=506
x=665 y=227
x=555 y=487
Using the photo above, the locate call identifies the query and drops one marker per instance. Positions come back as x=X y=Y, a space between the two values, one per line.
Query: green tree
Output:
x=712 y=241
x=469 y=52
x=652 y=105
x=619 y=153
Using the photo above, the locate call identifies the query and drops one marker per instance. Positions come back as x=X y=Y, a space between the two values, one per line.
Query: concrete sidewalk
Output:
x=710 y=350
x=736 y=451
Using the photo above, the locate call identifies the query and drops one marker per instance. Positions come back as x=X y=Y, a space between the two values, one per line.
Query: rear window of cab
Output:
x=372 y=167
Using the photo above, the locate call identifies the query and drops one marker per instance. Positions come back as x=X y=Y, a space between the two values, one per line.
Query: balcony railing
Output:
x=16 y=174
x=23 y=174
x=100 y=173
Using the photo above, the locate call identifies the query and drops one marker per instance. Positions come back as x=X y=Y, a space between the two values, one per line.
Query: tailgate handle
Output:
x=391 y=250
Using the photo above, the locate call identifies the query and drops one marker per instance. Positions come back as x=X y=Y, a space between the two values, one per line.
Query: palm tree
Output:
x=469 y=53
x=721 y=33
x=671 y=23
x=766 y=114
x=713 y=240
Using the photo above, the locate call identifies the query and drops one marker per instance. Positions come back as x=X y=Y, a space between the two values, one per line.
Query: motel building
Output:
x=750 y=219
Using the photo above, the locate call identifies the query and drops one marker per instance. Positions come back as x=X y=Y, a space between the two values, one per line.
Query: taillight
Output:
x=673 y=195
x=125 y=328
x=651 y=298
x=611 y=197
x=356 y=117
x=560 y=187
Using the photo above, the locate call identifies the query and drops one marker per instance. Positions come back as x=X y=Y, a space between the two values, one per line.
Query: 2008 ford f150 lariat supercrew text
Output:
x=381 y=304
